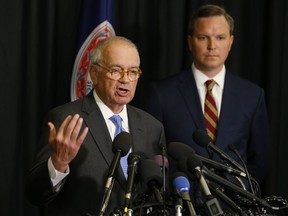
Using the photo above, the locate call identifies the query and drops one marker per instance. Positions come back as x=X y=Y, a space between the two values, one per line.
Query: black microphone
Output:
x=182 y=166
x=150 y=178
x=182 y=186
x=120 y=147
x=201 y=138
x=220 y=167
x=133 y=160
x=163 y=163
x=177 y=150
x=219 y=193
x=212 y=204
x=233 y=148
x=232 y=187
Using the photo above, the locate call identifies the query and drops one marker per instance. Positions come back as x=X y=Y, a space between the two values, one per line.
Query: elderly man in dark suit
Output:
x=69 y=175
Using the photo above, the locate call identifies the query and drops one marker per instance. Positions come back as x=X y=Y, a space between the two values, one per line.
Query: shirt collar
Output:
x=106 y=111
x=201 y=78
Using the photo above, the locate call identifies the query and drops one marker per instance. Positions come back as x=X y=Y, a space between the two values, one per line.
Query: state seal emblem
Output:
x=81 y=82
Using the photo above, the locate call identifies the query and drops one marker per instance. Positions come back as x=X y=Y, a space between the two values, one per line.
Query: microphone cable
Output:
x=234 y=150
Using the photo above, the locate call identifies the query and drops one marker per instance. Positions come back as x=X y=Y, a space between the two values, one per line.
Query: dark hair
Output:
x=209 y=11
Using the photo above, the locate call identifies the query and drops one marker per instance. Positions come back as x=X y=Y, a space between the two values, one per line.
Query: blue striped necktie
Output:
x=117 y=121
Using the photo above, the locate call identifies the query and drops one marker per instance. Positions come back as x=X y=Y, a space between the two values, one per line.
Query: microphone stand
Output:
x=106 y=198
x=163 y=151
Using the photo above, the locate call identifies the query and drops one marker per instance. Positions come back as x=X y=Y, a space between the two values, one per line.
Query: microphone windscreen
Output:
x=183 y=167
x=193 y=162
x=176 y=150
x=201 y=138
x=136 y=157
x=161 y=160
x=149 y=173
x=181 y=183
x=122 y=142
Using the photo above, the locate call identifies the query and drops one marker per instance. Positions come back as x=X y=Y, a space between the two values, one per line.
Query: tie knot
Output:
x=210 y=84
x=116 y=119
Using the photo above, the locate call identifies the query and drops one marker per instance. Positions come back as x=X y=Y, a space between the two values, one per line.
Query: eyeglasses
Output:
x=116 y=73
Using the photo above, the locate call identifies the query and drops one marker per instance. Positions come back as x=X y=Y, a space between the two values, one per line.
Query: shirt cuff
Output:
x=55 y=175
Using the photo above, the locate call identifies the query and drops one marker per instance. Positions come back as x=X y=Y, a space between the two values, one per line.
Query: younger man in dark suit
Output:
x=239 y=113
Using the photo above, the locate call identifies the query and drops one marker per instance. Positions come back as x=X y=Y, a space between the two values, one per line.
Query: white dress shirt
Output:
x=56 y=176
x=217 y=91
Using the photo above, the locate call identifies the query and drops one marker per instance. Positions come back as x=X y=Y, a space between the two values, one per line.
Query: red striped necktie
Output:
x=210 y=111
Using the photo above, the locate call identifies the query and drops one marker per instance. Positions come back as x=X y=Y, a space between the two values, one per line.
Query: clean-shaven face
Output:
x=210 y=44
x=115 y=94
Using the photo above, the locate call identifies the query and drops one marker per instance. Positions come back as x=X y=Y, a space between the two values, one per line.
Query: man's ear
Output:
x=93 y=74
x=189 y=41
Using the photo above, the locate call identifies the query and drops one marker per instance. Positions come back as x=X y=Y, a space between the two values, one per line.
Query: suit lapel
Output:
x=100 y=134
x=230 y=105
x=137 y=131
x=188 y=88
x=97 y=127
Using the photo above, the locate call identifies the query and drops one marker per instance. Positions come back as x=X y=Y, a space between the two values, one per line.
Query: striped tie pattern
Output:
x=210 y=111
x=117 y=121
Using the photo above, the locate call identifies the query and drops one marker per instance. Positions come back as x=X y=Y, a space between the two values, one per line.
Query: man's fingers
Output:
x=76 y=129
x=52 y=134
x=82 y=136
x=64 y=125
x=71 y=126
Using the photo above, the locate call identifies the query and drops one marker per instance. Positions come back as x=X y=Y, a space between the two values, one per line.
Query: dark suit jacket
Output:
x=83 y=189
x=243 y=120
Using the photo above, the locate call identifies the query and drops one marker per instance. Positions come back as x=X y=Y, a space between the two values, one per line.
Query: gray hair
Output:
x=97 y=52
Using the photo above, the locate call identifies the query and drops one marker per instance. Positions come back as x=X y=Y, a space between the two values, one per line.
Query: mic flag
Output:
x=95 y=25
x=211 y=204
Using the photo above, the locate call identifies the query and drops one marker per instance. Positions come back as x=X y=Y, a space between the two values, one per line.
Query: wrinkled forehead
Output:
x=120 y=52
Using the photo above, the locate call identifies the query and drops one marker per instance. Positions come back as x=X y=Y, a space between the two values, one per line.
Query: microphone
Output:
x=133 y=160
x=182 y=187
x=201 y=138
x=232 y=187
x=177 y=150
x=212 y=204
x=163 y=163
x=215 y=189
x=120 y=147
x=233 y=148
x=220 y=167
x=150 y=177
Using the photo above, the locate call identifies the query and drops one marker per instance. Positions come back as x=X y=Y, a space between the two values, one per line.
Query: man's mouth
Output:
x=122 y=91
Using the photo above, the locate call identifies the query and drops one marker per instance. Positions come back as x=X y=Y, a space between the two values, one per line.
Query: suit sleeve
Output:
x=259 y=140
x=38 y=183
